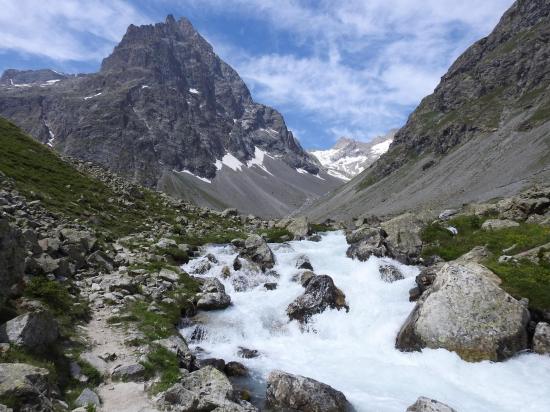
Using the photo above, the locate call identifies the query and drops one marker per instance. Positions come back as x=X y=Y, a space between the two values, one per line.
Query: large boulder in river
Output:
x=320 y=294
x=424 y=404
x=257 y=250
x=27 y=387
x=213 y=296
x=466 y=312
x=404 y=242
x=298 y=393
x=32 y=330
x=366 y=242
x=12 y=259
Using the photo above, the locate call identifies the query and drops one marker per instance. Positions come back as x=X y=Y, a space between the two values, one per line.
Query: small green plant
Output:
x=67 y=308
x=165 y=364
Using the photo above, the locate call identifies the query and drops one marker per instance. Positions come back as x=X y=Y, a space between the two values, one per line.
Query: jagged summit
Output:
x=166 y=111
x=349 y=157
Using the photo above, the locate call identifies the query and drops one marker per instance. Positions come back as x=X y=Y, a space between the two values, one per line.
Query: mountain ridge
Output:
x=165 y=108
x=349 y=157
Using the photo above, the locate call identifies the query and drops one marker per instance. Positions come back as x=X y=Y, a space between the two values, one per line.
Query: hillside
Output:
x=483 y=133
x=166 y=112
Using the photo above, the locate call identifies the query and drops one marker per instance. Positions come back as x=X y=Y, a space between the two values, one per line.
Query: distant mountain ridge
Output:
x=166 y=111
x=349 y=157
x=484 y=133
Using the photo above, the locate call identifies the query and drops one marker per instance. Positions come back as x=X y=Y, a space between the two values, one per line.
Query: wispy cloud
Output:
x=356 y=67
x=65 y=29
x=369 y=62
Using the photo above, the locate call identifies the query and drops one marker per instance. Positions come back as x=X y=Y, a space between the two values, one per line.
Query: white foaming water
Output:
x=354 y=352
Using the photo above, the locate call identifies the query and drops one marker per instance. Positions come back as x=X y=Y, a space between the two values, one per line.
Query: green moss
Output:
x=320 y=228
x=439 y=241
x=164 y=364
x=526 y=279
x=276 y=235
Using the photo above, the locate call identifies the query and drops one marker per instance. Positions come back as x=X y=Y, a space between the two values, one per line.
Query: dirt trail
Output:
x=107 y=339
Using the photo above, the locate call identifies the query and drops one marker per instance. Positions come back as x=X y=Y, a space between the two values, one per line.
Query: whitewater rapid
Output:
x=354 y=352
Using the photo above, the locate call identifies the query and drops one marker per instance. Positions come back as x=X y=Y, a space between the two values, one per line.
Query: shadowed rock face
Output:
x=163 y=101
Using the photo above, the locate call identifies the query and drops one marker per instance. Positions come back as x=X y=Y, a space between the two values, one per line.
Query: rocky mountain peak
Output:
x=349 y=157
x=166 y=111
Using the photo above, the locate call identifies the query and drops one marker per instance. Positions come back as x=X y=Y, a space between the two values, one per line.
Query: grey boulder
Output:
x=299 y=227
x=390 y=273
x=32 y=330
x=213 y=296
x=303 y=394
x=320 y=294
x=424 y=404
x=498 y=224
x=206 y=389
x=366 y=242
x=404 y=240
x=466 y=312
x=126 y=373
x=87 y=397
x=541 y=338
x=257 y=250
x=28 y=387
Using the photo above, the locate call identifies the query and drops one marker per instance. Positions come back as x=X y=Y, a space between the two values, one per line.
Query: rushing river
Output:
x=354 y=352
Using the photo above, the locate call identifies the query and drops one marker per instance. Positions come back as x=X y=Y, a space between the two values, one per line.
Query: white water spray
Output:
x=354 y=352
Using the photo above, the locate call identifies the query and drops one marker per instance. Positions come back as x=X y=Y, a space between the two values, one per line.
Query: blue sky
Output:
x=333 y=68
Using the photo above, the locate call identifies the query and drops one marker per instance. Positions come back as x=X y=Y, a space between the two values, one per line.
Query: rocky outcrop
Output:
x=12 y=259
x=424 y=404
x=27 y=387
x=541 y=338
x=466 y=312
x=303 y=394
x=34 y=330
x=320 y=294
x=257 y=251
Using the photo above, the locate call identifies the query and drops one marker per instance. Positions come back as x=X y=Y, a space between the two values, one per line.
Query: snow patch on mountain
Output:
x=348 y=157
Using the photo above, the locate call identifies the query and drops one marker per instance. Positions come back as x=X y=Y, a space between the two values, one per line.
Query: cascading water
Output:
x=354 y=352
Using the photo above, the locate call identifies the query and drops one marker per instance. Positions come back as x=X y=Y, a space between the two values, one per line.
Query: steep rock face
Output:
x=163 y=105
x=483 y=133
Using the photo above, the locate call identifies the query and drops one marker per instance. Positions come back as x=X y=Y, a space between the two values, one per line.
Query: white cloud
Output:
x=65 y=29
x=362 y=63
x=403 y=47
